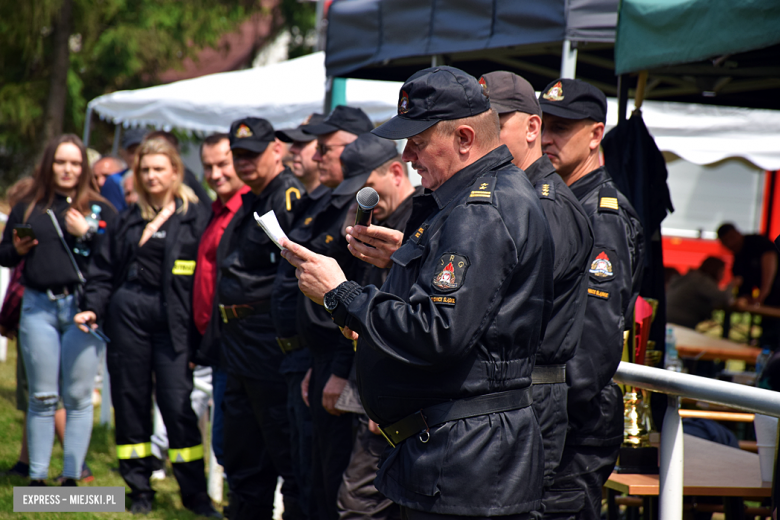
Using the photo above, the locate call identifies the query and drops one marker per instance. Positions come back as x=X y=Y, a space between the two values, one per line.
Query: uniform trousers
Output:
x=256 y=431
x=413 y=514
x=358 y=497
x=331 y=447
x=550 y=408
x=300 y=435
x=141 y=356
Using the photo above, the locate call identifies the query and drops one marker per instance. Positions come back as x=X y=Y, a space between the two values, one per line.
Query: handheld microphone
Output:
x=367 y=199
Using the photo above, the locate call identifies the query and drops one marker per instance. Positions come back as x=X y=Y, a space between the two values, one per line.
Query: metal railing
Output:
x=676 y=385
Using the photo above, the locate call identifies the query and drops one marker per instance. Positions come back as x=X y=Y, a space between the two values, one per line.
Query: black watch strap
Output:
x=344 y=294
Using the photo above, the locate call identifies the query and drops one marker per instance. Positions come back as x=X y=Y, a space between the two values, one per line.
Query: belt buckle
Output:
x=283 y=345
x=54 y=297
x=387 y=438
x=223 y=313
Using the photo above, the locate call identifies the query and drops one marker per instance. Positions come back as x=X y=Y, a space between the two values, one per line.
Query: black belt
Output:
x=290 y=344
x=422 y=421
x=236 y=312
x=548 y=374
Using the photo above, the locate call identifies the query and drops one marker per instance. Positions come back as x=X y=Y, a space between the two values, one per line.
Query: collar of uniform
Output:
x=339 y=201
x=467 y=176
x=319 y=192
x=539 y=169
x=590 y=182
x=394 y=219
x=232 y=204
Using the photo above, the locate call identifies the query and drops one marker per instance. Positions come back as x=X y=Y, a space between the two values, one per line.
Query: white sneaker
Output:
x=158 y=474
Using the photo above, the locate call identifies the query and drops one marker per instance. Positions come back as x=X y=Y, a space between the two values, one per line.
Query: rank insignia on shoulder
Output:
x=328 y=239
x=601 y=267
x=443 y=300
x=417 y=235
x=482 y=190
x=450 y=272
x=604 y=295
x=608 y=201
x=545 y=190
x=307 y=221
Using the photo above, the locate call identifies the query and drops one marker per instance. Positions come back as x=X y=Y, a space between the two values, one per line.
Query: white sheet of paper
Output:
x=271 y=226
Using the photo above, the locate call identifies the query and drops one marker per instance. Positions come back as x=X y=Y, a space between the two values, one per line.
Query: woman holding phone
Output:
x=55 y=229
x=141 y=283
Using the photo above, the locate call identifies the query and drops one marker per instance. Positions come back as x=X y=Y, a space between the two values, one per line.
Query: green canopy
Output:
x=654 y=33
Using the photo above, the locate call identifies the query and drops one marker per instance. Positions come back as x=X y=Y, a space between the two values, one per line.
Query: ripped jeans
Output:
x=58 y=358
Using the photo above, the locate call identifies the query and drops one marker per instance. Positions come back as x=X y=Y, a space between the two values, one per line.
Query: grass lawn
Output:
x=101 y=459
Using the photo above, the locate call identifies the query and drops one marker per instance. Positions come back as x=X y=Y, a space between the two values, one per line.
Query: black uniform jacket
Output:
x=461 y=314
x=47 y=265
x=615 y=276
x=573 y=241
x=110 y=267
x=247 y=271
x=320 y=230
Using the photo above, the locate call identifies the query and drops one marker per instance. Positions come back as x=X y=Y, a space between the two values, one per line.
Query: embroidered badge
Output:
x=604 y=295
x=450 y=272
x=601 y=266
x=244 y=131
x=443 y=300
x=184 y=267
x=555 y=93
x=485 y=91
x=403 y=103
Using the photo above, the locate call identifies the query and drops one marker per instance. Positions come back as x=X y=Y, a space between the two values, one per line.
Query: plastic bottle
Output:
x=672 y=360
x=93 y=221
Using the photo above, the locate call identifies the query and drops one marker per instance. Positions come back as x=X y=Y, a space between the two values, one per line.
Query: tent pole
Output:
x=87 y=124
x=622 y=98
x=115 y=145
x=568 y=60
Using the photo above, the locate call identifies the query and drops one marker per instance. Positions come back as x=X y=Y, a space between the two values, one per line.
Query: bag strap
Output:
x=65 y=245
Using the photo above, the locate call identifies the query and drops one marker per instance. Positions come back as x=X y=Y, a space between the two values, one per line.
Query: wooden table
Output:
x=692 y=344
x=760 y=310
x=710 y=469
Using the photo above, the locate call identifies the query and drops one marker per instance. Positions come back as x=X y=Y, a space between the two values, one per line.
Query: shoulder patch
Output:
x=545 y=190
x=450 y=272
x=482 y=190
x=601 y=265
x=608 y=202
x=288 y=196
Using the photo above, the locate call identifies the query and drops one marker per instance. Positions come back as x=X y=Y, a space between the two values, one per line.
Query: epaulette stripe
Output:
x=609 y=202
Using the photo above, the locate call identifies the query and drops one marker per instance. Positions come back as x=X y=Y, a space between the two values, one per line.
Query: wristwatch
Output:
x=331 y=300
x=343 y=294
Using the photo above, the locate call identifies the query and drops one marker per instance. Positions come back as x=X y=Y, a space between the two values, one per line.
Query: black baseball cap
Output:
x=349 y=119
x=433 y=95
x=132 y=137
x=574 y=99
x=290 y=135
x=361 y=157
x=511 y=93
x=251 y=133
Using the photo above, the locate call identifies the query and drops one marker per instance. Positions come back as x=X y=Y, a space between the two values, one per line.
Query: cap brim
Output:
x=401 y=128
x=564 y=112
x=252 y=146
x=352 y=185
x=500 y=108
x=291 y=135
x=320 y=129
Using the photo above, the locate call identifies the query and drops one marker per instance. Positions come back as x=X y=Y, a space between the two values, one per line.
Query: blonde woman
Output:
x=141 y=286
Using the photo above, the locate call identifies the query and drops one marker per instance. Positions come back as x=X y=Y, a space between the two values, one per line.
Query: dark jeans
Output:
x=300 y=436
x=141 y=346
x=219 y=382
x=576 y=489
x=332 y=446
x=257 y=448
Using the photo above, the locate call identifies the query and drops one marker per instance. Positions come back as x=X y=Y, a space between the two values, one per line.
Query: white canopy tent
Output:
x=286 y=93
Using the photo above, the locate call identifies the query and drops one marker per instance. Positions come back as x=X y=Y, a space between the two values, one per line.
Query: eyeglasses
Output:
x=325 y=148
x=245 y=155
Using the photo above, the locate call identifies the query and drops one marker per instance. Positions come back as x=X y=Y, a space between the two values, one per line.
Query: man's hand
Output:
x=317 y=274
x=384 y=242
x=373 y=427
x=85 y=319
x=23 y=245
x=331 y=393
x=305 y=387
x=75 y=223
x=349 y=333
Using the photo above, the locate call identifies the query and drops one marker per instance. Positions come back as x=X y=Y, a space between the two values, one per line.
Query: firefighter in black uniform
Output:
x=521 y=125
x=378 y=165
x=574 y=117
x=320 y=229
x=257 y=432
x=446 y=348
x=140 y=282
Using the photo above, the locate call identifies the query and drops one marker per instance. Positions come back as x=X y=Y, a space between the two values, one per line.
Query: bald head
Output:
x=107 y=166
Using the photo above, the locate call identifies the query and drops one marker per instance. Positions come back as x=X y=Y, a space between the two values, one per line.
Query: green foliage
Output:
x=300 y=18
x=115 y=45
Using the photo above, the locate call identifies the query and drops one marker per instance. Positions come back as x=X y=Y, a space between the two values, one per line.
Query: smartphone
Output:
x=24 y=231
x=99 y=334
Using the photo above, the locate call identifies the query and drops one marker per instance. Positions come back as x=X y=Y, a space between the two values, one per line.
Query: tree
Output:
x=55 y=55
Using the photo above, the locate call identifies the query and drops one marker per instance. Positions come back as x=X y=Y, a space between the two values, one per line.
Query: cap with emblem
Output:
x=361 y=157
x=251 y=133
x=574 y=99
x=132 y=137
x=349 y=119
x=290 y=135
x=511 y=93
x=433 y=95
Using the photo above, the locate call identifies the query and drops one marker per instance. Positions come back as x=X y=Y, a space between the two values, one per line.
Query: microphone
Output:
x=367 y=199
